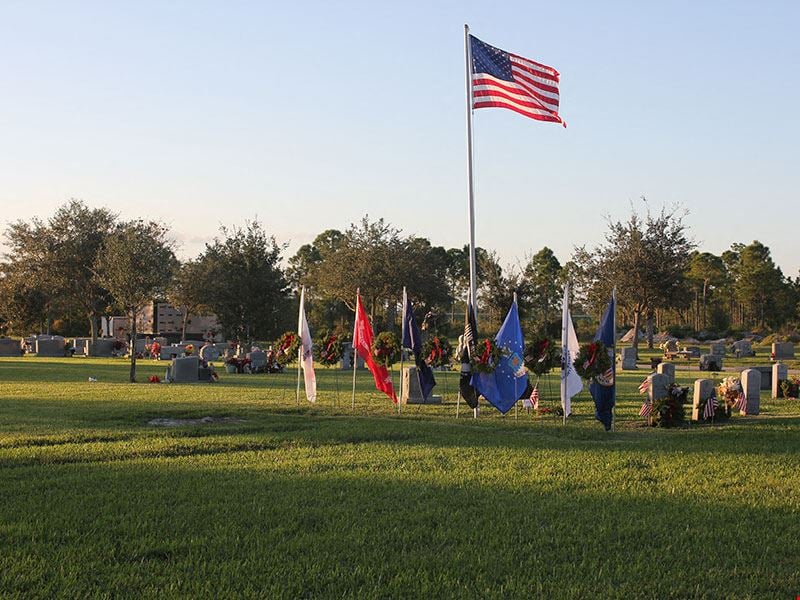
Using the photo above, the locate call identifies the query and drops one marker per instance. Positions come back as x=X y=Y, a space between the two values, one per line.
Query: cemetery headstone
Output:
x=412 y=394
x=703 y=390
x=185 y=370
x=668 y=370
x=710 y=362
x=209 y=353
x=9 y=347
x=170 y=352
x=628 y=358
x=81 y=345
x=101 y=347
x=766 y=377
x=782 y=350
x=657 y=387
x=258 y=360
x=50 y=347
x=780 y=372
x=718 y=349
x=751 y=386
x=347 y=351
x=742 y=348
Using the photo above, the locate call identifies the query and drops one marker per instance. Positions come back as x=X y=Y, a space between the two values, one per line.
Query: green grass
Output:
x=323 y=501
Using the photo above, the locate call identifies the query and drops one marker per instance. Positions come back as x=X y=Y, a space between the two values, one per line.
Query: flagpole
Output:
x=614 y=360
x=470 y=183
x=402 y=350
x=355 y=353
x=300 y=348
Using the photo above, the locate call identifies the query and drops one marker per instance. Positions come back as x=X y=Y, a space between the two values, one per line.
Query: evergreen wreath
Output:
x=667 y=412
x=437 y=351
x=541 y=356
x=386 y=348
x=592 y=360
x=485 y=357
x=329 y=349
x=286 y=348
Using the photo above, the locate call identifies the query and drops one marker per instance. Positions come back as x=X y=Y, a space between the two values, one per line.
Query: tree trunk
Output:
x=650 y=329
x=132 y=348
x=705 y=293
x=637 y=316
x=185 y=321
x=93 y=326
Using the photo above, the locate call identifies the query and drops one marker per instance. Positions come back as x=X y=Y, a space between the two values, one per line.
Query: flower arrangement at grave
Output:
x=541 y=356
x=486 y=356
x=680 y=393
x=329 y=349
x=730 y=391
x=550 y=410
x=789 y=388
x=286 y=348
x=238 y=363
x=386 y=348
x=437 y=351
x=592 y=360
x=668 y=411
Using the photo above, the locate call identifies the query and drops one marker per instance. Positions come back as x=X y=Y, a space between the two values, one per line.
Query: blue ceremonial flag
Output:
x=510 y=378
x=412 y=339
x=604 y=389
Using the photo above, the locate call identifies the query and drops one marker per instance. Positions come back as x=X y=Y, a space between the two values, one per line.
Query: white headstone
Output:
x=657 y=387
x=703 y=390
x=751 y=386
x=667 y=369
x=779 y=373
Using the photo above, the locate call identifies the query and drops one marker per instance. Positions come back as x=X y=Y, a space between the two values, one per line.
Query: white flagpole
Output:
x=516 y=393
x=470 y=183
x=402 y=350
x=300 y=348
x=355 y=353
x=614 y=359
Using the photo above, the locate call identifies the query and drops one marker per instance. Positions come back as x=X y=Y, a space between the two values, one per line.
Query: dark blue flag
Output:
x=510 y=379
x=412 y=339
x=603 y=389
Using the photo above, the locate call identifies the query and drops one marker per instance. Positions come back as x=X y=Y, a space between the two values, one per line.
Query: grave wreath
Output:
x=486 y=356
x=541 y=356
x=437 y=351
x=329 y=349
x=592 y=360
x=286 y=348
x=386 y=348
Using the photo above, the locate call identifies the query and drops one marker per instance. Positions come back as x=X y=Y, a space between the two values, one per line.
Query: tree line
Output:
x=63 y=273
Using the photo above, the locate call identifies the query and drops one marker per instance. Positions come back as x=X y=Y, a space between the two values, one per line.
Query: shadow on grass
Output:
x=255 y=531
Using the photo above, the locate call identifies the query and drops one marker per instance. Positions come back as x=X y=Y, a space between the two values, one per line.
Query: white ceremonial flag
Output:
x=571 y=382
x=306 y=354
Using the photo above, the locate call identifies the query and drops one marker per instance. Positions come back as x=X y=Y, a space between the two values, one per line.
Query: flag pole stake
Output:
x=614 y=360
x=299 y=359
x=355 y=353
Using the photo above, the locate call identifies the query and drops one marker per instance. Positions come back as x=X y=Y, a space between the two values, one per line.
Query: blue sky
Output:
x=309 y=115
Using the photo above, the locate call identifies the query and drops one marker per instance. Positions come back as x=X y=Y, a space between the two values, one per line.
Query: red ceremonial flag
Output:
x=362 y=342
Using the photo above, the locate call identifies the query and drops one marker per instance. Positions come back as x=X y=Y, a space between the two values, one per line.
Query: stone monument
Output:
x=751 y=386
x=703 y=390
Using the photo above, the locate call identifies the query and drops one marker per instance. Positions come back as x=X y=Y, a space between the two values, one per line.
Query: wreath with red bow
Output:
x=437 y=351
x=486 y=356
x=286 y=348
x=329 y=349
x=592 y=360
x=541 y=356
x=386 y=348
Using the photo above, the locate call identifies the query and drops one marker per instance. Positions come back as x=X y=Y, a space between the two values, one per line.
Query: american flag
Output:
x=504 y=80
x=741 y=403
x=535 y=398
x=646 y=409
x=644 y=386
x=711 y=407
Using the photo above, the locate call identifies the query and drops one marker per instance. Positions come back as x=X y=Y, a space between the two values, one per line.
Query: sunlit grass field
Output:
x=287 y=500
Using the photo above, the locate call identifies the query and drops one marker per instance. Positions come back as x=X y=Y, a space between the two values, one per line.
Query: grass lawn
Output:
x=324 y=501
